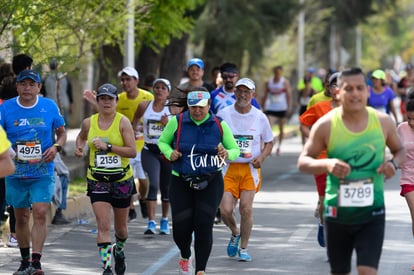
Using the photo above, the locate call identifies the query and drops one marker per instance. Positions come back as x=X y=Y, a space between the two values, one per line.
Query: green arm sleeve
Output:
x=167 y=137
x=229 y=142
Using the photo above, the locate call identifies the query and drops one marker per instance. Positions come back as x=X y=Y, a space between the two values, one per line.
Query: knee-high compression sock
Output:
x=25 y=253
x=119 y=247
x=105 y=251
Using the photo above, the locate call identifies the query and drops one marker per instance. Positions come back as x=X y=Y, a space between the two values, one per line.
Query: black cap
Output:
x=53 y=64
x=107 y=89
x=229 y=68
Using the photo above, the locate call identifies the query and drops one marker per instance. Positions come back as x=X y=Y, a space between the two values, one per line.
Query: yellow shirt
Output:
x=319 y=97
x=112 y=135
x=4 y=142
x=127 y=107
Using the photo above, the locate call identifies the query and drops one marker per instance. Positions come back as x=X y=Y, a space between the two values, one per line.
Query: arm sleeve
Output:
x=229 y=142
x=167 y=137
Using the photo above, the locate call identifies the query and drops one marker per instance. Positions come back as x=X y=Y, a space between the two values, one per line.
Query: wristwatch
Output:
x=396 y=167
x=58 y=147
x=109 y=147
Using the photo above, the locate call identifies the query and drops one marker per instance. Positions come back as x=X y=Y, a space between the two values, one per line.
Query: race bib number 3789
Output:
x=356 y=193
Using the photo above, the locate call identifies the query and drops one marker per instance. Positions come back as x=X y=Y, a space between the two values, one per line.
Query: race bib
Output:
x=155 y=129
x=245 y=143
x=356 y=193
x=29 y=151
x=103 y=160
x=276 y=98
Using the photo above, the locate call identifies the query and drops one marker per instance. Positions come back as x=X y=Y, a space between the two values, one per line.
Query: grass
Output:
x=77 y=187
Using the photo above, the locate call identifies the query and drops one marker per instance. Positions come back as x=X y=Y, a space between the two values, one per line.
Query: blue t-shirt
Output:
x=30 y=130
x=381 y=101
x=220 y=99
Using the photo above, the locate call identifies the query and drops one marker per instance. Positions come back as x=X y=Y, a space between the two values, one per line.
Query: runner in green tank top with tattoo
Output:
x=355 y=137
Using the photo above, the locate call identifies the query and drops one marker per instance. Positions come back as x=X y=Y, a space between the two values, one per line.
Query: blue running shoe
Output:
x=233 y=246
x=321 y=237
x=150 y=228
x=244 y=256
x=164 y=227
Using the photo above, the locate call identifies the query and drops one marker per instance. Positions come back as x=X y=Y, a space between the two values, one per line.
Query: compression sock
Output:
x=105 y=251
x=120 y=243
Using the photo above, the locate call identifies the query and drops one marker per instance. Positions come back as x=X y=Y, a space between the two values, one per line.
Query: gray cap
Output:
x=107 y=89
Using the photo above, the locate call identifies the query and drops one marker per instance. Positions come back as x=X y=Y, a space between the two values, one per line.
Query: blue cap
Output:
x=198 y=98
x=28 y=74
x=196 y=61
x=311 y=70
x=107 y=89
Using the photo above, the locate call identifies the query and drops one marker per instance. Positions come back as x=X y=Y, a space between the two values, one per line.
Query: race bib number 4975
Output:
x=29 y=151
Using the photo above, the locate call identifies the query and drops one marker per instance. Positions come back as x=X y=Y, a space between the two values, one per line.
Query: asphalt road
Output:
x=283 y=240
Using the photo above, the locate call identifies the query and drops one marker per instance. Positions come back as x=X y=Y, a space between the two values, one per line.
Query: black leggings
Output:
x=159 y=172
x=194 y=211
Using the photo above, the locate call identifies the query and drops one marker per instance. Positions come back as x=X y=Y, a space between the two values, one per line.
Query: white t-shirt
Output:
x=250 y=131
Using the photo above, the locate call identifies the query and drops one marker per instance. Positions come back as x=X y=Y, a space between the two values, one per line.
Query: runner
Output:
x=355 y=137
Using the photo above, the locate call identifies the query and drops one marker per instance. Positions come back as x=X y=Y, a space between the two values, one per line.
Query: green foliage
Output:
x=160 y=24
x=77 y=187
x=230 y=29
x=69 y=29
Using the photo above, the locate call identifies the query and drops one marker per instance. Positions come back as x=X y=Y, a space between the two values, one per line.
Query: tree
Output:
x=239 y=31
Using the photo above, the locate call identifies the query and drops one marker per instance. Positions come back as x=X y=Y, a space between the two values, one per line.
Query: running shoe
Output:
x=164 y=227
x=244 y=256
x=24 y=268
x=132 y=215
x=120 y=266
x=59 y=219
x=108 y=271
x=36 y=268
x=233 y=245
x=321 y=237
x=185 y=266
x=12 y=241
x=150 y=228
x=201 y=272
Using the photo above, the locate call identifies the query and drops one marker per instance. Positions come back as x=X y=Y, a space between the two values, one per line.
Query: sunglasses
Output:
x=229 y=76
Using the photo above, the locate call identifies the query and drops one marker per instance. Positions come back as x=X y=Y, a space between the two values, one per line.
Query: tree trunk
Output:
x=110 y=62
x=147 y=63
x=173 y=60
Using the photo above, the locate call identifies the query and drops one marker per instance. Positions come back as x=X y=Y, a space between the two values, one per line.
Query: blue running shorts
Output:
x=22 y=193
